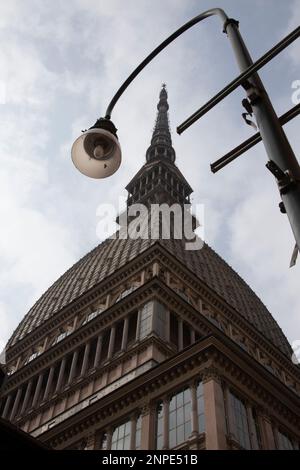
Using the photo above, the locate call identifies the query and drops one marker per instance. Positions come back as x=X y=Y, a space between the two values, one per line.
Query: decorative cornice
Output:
x=152 y=385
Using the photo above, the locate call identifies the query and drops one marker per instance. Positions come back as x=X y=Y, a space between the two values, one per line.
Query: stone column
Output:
x=229 y=412
x=215 y=421
x=267 y=435
x=133 y=432
x=26 y=398
x=109 y=434
x=111 y=342
x=137 y=333
x=155 y=269
x=75 y=322
x=49 y=382
x=16 y=404
x=60 y=375
x=107 y=301
x=147 y=429
x=90 y=441
x=166 y=424
x=45 y=343
x=168 y=329
x=180 y=334
x=85 y=358
x=37 y=391
x=6 y=407
x=193 y=335
x=125 y=334
x=276 y=437
x=252 y=429
x=98 y=350
x=18 y=363
x=73 y=366
x=194 y=411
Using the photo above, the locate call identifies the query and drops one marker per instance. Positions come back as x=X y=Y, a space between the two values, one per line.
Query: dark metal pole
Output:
x=249 y=143
x=240 y=80
x=275 y=141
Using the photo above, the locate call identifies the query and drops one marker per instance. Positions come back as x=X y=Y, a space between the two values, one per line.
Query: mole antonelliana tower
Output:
x=143 y=344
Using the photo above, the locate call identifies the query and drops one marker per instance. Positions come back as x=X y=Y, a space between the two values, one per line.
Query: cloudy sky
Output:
x=61 y=62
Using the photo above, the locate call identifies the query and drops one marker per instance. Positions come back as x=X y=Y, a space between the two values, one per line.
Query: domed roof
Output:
x=112 y=254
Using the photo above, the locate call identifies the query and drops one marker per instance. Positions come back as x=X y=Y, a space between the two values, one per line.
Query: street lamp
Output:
x=97 y=153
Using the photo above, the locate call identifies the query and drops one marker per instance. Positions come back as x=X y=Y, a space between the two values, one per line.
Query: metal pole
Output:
x=240 y=80
x=275 y=141
x=249 y=143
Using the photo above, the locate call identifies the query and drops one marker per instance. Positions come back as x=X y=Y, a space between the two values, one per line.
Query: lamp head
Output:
x=96 y=152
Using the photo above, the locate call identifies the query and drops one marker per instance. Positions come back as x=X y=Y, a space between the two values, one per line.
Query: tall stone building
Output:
x=143 y=344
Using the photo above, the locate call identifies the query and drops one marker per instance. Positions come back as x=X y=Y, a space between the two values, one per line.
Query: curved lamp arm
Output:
x=158 y=49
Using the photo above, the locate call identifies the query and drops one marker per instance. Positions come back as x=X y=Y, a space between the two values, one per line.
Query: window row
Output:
x=245 y=427
x=153 y=317
x=67 y=329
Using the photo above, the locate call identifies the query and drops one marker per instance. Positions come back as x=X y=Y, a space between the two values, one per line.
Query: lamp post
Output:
x=97 y=152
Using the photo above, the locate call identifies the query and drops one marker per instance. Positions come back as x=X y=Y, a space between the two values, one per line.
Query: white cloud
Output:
x=294 y=48
x=62 y=64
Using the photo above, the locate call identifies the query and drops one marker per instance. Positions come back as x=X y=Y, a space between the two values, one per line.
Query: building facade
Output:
x=143 y=344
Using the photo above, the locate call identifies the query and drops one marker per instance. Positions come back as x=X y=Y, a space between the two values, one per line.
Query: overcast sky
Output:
x=61 y=62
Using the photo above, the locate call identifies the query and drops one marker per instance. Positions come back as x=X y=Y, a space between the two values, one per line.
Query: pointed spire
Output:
x=161 y=142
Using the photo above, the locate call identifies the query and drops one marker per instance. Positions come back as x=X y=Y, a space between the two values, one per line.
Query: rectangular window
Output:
x=241 y=429
x=186 y=335
x=121 y=437
x=105 y=344
x=160 y=319
x=180 y=426
x=146 y=320
x=132 y=328
x=119 y=336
